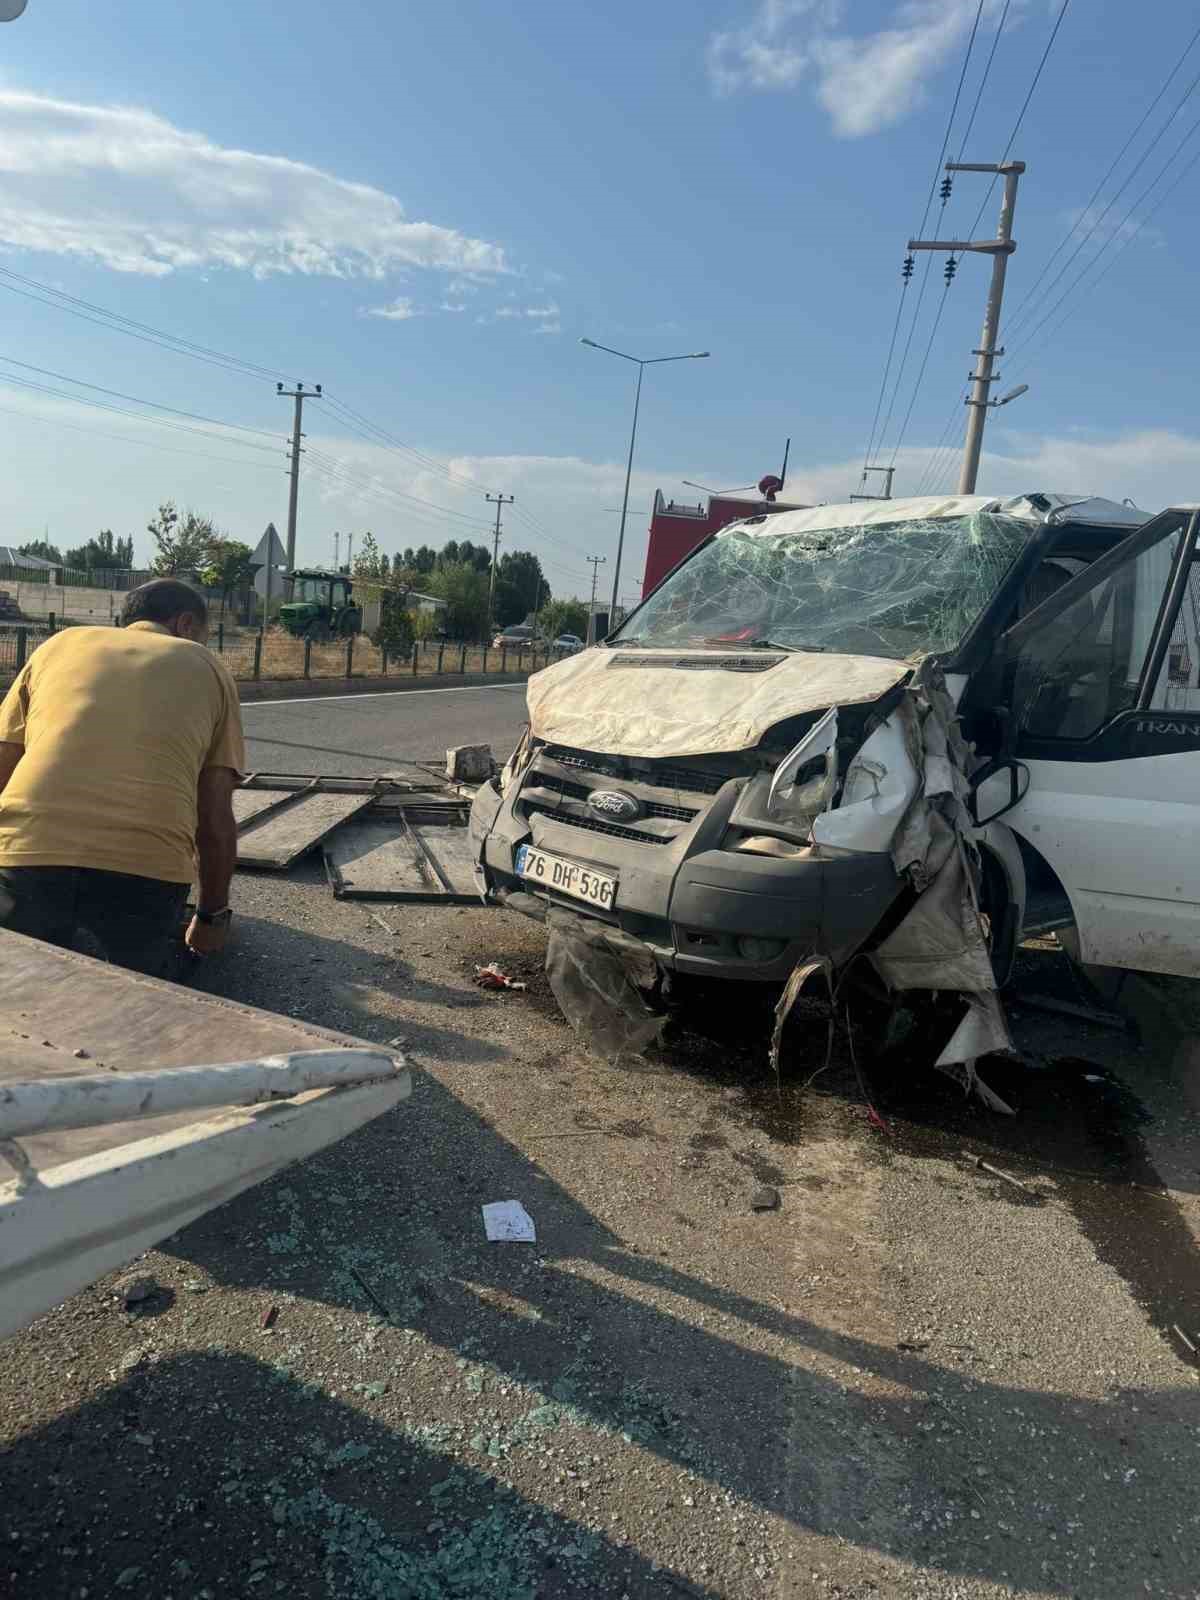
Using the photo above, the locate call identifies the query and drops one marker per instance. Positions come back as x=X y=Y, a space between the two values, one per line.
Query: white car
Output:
x=568 y=643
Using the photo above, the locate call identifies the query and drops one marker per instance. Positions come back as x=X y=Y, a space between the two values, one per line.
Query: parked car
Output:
x=568 y=644
x=520 y=634
x=731 y=778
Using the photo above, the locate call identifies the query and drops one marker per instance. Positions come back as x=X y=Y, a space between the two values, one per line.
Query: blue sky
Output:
x=424 y=207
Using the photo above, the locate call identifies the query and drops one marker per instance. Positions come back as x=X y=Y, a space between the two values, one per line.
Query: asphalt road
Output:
x=362 y=735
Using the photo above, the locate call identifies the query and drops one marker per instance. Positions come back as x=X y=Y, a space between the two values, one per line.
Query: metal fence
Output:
x=253 y=656
x=120 y=578
x=277 y=655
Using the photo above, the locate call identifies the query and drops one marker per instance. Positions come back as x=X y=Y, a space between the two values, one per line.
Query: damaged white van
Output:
x=757 y=767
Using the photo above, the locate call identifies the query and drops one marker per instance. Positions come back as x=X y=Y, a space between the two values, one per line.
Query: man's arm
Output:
x=10 y=754
x=216 y=851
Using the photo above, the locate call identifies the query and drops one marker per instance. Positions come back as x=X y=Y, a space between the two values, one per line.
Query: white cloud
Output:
x=1095 y=224
x=548 y=317
x=452 y=305
x=866 y=82
x=398 y=310
x=128 y=188
x=1154 y=467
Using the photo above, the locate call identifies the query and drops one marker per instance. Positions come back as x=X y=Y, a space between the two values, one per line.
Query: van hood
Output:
x=654 y=703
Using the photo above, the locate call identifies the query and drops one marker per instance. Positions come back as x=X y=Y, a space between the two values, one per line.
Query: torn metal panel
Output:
x=881 y=781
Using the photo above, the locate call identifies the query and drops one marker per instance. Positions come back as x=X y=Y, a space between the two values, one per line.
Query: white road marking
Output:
x=383 y=694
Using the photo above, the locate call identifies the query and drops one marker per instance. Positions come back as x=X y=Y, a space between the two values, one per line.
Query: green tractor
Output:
x=321 y=607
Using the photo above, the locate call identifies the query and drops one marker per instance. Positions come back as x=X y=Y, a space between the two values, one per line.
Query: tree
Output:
x=47 y=552
x=231 y=567
x=563 y=616
x=370 y=562
x=465 y=592
x=183 y=544
x=105 y=552
x=525 y=583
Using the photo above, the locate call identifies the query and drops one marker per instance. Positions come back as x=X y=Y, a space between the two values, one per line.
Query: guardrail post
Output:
x=258 y=655
x=308 y=658
x=485 y=656
x=462 y=659
x=416 y=651
x=441 y=654
x=51 y=622
x=503 y=658
x=350 y=655
x=22 y=646
x=220 y=638
x=383 y=654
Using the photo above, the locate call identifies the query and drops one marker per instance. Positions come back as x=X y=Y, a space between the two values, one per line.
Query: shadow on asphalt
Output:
x=391 y=1218
x=257 y=1486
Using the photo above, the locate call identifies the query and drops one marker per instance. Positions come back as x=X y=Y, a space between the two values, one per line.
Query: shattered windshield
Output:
x=899 y=589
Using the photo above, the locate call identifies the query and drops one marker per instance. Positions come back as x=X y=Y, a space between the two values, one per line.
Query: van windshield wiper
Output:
x=791 y=649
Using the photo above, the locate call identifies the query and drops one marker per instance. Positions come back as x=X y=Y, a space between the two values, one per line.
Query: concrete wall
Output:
x=37 y=600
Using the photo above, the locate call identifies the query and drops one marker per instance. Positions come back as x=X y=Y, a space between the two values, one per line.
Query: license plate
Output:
x=567 y=877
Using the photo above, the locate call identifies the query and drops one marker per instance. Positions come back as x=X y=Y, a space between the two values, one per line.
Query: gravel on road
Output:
x=911 y=1379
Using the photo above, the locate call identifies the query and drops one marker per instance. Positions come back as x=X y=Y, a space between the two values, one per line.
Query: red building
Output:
x=676 y=529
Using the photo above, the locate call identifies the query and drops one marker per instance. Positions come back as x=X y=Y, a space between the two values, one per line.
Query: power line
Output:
x=1016 y=128
x=937 y=317
x=1025 y=104
x=123 y=411
x=91 y=312
x=908 y=269
x=154 y=405
x=1118 y=233
x=941 y=306
x=1019 y=313
x=125 y=438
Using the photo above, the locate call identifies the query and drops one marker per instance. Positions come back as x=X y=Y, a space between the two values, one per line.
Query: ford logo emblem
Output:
x=615 y=805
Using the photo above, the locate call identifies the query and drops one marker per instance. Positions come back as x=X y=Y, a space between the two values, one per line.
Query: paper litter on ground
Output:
x=508 y=1220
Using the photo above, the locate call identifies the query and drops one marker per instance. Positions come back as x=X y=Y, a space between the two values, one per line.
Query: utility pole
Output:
x=597 y=562
x=500 y=501
x=299 y=394
x=337 y=550
x=350 y=554
x=889 y=473
x=999 y=248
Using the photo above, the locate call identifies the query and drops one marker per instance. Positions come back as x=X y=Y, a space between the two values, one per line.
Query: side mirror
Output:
x=1016 y=789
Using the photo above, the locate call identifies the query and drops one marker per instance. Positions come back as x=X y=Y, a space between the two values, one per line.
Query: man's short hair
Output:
x=160 y=600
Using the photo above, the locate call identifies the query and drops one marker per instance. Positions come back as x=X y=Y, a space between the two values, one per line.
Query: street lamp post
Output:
x=641 y=364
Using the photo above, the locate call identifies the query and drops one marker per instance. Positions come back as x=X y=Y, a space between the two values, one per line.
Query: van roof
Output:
x=1039 y=506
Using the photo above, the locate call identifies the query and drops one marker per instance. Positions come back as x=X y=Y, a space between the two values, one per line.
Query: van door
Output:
x=1101 y=684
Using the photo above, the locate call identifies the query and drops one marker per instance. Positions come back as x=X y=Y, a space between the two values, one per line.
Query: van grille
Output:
x=659 y=775
x=612 y=829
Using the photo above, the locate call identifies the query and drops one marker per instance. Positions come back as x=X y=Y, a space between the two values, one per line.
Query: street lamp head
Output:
x=700 y=355
x=592 y=342
x=10 y=10
x=1013 y=394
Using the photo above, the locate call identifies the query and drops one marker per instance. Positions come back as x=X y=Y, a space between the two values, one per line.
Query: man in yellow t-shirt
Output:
x=119 y=753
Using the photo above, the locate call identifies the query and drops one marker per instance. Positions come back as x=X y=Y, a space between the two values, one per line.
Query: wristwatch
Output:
x=215 y=919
